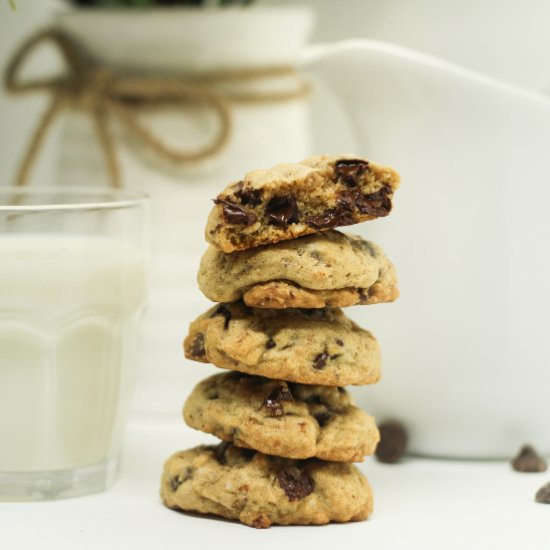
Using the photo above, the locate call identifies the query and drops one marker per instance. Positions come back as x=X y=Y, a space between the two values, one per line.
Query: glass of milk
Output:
x=73 y=279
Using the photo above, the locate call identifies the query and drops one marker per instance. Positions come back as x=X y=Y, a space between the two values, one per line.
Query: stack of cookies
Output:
x=280 y=272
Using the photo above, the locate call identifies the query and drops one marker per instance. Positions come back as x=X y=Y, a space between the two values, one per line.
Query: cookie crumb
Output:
x=393 y=442
x=528 y=460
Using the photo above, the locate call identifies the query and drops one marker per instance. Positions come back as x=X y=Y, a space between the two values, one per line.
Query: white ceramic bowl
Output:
x=466 y=348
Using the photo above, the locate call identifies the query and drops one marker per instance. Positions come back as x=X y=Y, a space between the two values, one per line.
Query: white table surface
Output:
x=419 y=503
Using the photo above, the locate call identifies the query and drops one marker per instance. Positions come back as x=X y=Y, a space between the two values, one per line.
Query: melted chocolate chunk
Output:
x=274 y=401
x=233 y=213
x=393 y=442
x=270 y=344
x=349 y=171
x=320 y=361
x=252 y=197
x=339 y=342
x=528 y=460
x=220 y=450
x=295 y=483
x=222 y=310
x=543 y=494
x=281 y=211
x=330 y=218
x=198 y=348
x=376 y=204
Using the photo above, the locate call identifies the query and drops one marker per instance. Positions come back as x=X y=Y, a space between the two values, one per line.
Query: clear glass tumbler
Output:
x=73 y=280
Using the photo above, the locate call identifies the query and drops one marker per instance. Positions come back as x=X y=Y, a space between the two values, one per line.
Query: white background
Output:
x=421 y=503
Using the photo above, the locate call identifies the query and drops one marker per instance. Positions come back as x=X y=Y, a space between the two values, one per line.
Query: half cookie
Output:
x=315 y=271
x=291 y=200
x=315 y=346
x=260 y=490
x=276 y=418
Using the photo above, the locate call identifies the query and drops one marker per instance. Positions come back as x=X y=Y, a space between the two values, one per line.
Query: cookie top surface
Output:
x=294 y=199
x=315 y=346
x=260 y=490
x=298 y=269
x=277 y=418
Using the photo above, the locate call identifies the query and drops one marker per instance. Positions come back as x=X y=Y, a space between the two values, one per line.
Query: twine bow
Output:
x=95 y=89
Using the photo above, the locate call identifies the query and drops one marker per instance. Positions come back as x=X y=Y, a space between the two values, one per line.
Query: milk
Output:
x=69 y=310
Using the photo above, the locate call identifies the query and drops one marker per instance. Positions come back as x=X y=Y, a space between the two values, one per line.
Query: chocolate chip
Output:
x=393 y=442
x=261 y=522
x=363 y=295
x=339 y=342
x=233 y=213
x=252 y=197
x=329 y=218
x=198 y=348
x=281 y=211
x=543 y=494
x=295 y=483
x=528 y=460
x=175 y=482
x=270 y=343
x=222 y=310
x=320 y=361
x=322 y=418
x=274 y=401
x=349 y=171
x=376 y=204
x=220 y=450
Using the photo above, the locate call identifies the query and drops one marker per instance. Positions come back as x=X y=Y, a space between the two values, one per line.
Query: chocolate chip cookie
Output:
x=276 y=418
x=261 y=490
x=310 y=346
x=294 y=199
x=319 y=270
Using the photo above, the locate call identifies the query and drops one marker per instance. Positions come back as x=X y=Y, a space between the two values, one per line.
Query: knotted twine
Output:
x=95 y=89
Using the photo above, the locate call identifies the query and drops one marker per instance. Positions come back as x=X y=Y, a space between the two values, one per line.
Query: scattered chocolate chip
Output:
x=363 y=295
x=198 y=348
x=322 y=418
x=222 y=310
x=528 y=460
x=393 y=442
x=233 y=213
x=334 y=356
x=339 y=342
x=295 y=483
x=320 y=361
x=220 y=450
x=543 y=494
x=270 y=343
x=252 y=197
x=349 y=171
x=281 y=211
x=274 y=401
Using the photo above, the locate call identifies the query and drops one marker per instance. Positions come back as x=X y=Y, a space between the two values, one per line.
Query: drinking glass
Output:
x=73 y=280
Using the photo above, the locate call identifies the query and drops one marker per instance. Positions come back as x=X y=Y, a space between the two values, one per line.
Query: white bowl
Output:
x=466 y=348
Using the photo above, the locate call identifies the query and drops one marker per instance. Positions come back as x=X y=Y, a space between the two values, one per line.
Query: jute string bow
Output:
x=104 y=95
